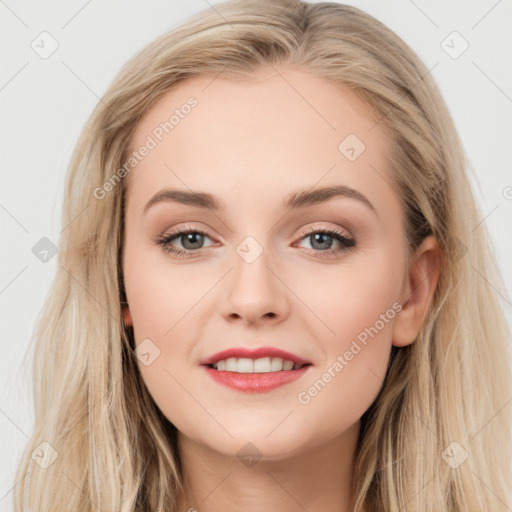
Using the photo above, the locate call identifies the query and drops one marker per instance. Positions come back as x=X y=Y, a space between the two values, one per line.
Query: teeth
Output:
x=262 y=365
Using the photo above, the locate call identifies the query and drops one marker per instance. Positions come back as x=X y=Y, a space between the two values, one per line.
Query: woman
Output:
x=267 y=296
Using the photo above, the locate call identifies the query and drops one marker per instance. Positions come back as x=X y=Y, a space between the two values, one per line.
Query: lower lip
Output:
x=255 y=382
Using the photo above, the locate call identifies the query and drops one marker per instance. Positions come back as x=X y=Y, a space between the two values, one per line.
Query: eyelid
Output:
x=177 y=231
x=206 y=231
x=315 y=228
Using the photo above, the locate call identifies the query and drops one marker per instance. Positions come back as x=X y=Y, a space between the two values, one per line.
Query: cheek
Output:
x=159 y=294
x=352 y=297
x=357 y=306
x=162 y=297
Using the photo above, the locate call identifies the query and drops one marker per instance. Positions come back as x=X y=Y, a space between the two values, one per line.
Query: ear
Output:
x=127 y=316
x=417 y=291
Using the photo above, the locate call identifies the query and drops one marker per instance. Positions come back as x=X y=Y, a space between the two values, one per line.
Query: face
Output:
x=321 y=280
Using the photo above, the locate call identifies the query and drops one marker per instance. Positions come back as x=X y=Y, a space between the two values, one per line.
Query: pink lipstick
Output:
x=255 y=370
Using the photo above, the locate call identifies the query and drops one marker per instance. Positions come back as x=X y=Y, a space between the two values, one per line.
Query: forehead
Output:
x=279 y=129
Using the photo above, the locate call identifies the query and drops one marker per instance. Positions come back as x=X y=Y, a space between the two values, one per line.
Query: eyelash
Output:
x=165 y=241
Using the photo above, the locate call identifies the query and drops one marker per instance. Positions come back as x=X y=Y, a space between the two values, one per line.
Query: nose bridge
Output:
x=254 y=288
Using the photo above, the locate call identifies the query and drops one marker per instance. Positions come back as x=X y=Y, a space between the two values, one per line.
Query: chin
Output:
x=256 y=443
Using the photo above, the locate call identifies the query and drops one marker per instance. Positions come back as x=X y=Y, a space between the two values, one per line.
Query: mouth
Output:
x=254 y=370
x=261 y=365
x=254 y=360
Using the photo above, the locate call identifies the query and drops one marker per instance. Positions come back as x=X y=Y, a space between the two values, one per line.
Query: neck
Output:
x=317 y=479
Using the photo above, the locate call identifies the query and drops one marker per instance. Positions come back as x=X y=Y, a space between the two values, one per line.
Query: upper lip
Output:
x=253 y=353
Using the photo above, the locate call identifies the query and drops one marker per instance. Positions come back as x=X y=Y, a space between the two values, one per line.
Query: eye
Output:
x=192 y=239
x=190 y=236
x=322 y=240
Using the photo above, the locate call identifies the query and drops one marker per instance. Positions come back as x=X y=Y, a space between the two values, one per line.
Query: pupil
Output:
x=320 y=237
x=190 y=237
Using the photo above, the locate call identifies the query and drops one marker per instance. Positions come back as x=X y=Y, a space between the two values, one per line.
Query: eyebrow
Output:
x=298 y=199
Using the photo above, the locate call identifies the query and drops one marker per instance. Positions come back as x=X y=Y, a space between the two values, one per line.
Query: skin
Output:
x=251 y=143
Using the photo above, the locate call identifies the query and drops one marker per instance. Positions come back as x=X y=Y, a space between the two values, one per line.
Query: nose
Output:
x=254 y=292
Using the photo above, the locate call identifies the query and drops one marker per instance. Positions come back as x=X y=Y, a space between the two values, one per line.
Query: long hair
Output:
x=438 y=435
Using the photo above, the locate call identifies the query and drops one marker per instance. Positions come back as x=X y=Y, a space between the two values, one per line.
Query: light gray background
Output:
x=45 y=102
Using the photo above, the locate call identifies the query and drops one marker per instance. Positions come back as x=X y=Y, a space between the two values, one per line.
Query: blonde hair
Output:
x=444 y=395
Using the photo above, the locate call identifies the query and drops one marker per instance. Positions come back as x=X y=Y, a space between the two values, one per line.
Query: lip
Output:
x=253 y=353
x=255 y=382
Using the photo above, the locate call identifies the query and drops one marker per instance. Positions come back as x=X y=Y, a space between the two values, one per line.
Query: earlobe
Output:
x=417 y=292
x=127 y=317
